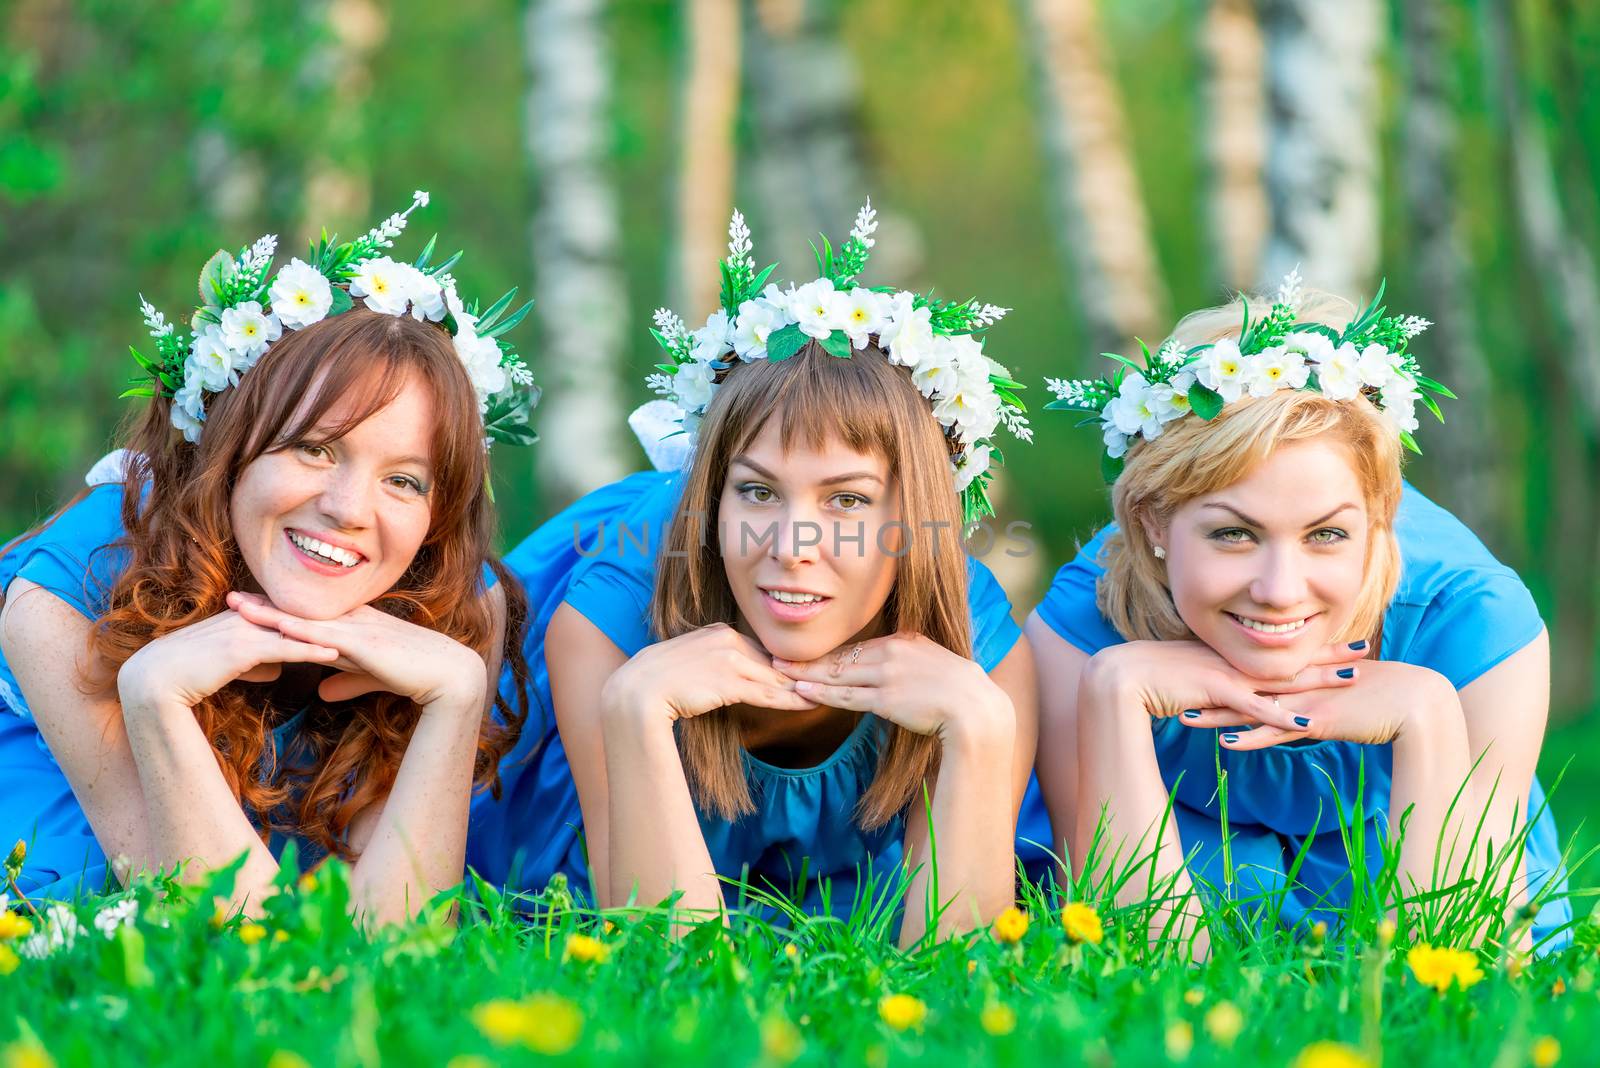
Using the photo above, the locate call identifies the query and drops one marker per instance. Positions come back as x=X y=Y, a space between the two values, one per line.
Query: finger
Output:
x=1342 y=653
x=855 y=698
x=1216 y=717
x=321 y=632
x=238 y=597
x=262 y=673
x=824 y=671
x=1325 y=677
x=1260 y=738
x=347 y=686
x=776 y=697
x=277 y=649
x=1264 y=709
x=256 y=610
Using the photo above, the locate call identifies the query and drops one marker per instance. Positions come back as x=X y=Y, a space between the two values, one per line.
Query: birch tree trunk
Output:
x=1571 y=291
x=1464 y=449
x=706 y=145
x=1103 y=228
x=804 y=98
x=1236 y=139
x=580 y=300
x=338 y=186
x=1322 y=142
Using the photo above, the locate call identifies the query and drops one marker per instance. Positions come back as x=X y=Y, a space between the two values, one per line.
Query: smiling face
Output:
x=328 y=526
x=1268 y=570
x=807 y=540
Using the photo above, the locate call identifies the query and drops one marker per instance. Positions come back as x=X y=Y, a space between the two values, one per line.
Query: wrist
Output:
x=1108 y=685
x=981 y=729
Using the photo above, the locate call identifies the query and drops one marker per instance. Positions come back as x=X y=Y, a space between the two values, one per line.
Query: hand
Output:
x=376 y=651
x=1191 y=681
x=706 y=669
x=1374 y=707
x=190 y=664
x=908 y=679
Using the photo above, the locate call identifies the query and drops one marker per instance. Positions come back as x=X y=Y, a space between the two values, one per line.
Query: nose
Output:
x=346 y=500
x=797 y=539
x=1281 y=582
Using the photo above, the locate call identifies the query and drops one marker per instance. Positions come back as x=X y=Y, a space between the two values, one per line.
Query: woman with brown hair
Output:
x=281 y=618
x=812 y=682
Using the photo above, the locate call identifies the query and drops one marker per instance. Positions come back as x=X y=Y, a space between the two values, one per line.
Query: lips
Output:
x=793 y=606
x=323 y=556
x=1274 y=633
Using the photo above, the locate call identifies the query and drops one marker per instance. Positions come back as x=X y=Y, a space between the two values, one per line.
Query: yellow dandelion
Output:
x=1438 y=967
x=26 y=1054
x=791 y=951
x=1558 y=987
x=1546 y=1052
x=1010 y=925
x=545 y=1023
x=308 y=882
x=1331 y=1055
x=285 y=1058
x=997 y=1019
x=1386 y=931
x=1179 y=1040
x=280 y=935
x=251 y=933
x=586 y=950
x=1082 y=923
x=14 y=859
x=1223 y=1023
x=780 y=1040
x=8 y=960
x=1193 y=997
x=13 y=926
x=902 y=1011
x=972 y=966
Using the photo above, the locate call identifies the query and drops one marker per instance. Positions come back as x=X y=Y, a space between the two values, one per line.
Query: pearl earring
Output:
x=1161 y=554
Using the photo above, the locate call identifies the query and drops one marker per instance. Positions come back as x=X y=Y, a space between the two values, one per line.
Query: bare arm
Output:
x=1060 y=663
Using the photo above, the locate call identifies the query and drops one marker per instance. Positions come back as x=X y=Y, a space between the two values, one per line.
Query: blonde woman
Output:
x=1278 y=623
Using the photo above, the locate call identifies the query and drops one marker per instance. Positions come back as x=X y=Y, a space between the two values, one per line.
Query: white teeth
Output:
x=793 y=598
x=329 y=553
x=1270 y=628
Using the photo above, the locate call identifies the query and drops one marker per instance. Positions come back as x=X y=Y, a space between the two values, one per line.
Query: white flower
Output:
x=1315 y=347
x=248 y=331
x=1133 y=410
x=818 y=308
x=758 y=318
x=420 y=198
x=1412 y=325
x=1337 y=377
x=213 y=360
x=866 y=225
x=121 y=914
x=154 y=320
x=908 y=333
x=1377 y=366
x=935 y=373
x=465 y=321
x=1170 y=400
x=1289 y=289
x=381 y=282
x=188 y=404
x=1116 y=441
x=1276 y=368
x=60 y=930
x=424 y=292
x=971 y=405
x=712 y=341
x=1223 y=369
x=481 y=357
x=973 y=462
x=300 y=295
x=693 y=385
x=739 y=242
x=1398 y=403
x=863 y=312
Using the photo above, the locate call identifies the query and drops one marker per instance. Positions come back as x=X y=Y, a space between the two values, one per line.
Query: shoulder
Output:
x=73 y=555
x=1071 y=606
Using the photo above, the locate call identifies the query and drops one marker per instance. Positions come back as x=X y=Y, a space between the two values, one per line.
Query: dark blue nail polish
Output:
x=1230 y=738
x=1302 y=721
x=1191 y=713
x=1356 y=647
x=1346 y=673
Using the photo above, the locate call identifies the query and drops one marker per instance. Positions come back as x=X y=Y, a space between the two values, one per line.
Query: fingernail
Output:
x=1346 y=673
x=1191 y=713
x=801 y=685
x=1356 y=647
x=1230 y=738
x=1302 y=721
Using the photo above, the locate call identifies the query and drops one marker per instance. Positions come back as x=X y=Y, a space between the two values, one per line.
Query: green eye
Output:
x=1329 y=536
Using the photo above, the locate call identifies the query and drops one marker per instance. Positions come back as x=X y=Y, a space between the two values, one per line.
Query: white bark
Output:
x=1105 y=230
x=706 y=146
x=338 y=185
x=1235 y=139
x=581 y=307
x=1322 y=146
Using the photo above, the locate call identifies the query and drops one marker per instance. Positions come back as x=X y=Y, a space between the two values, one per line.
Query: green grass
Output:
x=512 y=983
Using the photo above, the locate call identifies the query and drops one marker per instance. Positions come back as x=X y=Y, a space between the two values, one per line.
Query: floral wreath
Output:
x=937 y=341
x=1369 y=358
x=231 y=329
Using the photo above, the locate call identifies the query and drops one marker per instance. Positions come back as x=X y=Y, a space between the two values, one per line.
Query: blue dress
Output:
x=599 y=556
x=72 y=559
x=1457 y=610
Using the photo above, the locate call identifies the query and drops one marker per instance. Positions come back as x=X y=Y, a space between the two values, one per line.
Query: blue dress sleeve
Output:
x=1470 y=626
x=1069 y=607
x=70 y=557
x=611 y=587
x=994 y=632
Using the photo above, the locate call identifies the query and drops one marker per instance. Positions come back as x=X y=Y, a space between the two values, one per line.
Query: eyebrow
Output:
x=1257 y=523
x=829 y=481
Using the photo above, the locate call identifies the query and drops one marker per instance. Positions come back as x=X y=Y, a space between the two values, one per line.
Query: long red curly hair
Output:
x=183 y=560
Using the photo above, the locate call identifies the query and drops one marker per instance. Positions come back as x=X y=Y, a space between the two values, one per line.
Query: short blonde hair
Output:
x=1192 y=458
